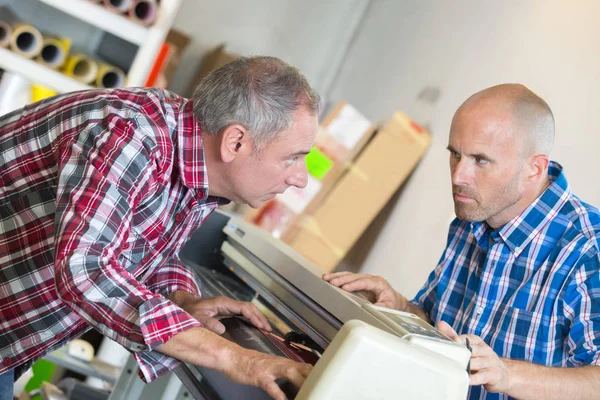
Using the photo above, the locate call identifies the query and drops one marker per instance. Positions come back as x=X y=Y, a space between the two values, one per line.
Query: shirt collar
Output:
x=190 y=155
x=518 y=232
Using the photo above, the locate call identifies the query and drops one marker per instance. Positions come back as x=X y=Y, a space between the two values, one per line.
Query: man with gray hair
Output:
x=520 y=276
x=100 y=189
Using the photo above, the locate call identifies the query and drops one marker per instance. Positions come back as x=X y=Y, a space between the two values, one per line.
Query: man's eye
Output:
x=454 y=154
x=291 y=161
x=480 y=160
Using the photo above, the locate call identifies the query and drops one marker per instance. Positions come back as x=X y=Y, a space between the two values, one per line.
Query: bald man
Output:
x=520 y=274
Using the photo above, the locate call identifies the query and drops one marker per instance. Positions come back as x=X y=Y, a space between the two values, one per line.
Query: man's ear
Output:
x=235 y=140
x=538 y=166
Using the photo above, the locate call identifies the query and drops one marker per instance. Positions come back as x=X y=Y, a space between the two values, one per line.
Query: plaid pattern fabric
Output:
x=530 y=289
x=99 y=190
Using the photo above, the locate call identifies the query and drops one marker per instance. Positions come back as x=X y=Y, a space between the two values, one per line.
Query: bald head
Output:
x=531 y=117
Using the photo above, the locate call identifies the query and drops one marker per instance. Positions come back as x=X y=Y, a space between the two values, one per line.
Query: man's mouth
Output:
x=462 y=197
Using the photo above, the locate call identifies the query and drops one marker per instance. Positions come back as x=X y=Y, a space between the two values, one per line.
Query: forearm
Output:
x=410 y=307
x=531 y=381
x=413 y=308
x=199 y=346
x=179 y=297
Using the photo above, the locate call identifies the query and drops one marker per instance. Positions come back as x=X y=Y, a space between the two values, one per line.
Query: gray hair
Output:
x=259 y=93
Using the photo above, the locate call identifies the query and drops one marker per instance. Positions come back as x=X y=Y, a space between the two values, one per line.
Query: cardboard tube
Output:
x=26 y=40
x=54 y=52
x=110 y=77
x=7 y=20
x=144 y=12
x=5 y=34
x=82 y=68
x=122 y=6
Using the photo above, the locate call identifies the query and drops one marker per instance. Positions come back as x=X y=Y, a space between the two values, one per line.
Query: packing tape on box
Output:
x=352 y=168
x=5 y=34
x=310 y=224
x=26 y=40
x=109 y=76
x=82 y=68
x=408 y=125
x=54 y=52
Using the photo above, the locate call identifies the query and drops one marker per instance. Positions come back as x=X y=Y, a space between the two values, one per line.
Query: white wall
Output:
x=461 y=47
x=310 y=34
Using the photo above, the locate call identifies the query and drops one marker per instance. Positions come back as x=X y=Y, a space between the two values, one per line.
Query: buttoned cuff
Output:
x=160 y=320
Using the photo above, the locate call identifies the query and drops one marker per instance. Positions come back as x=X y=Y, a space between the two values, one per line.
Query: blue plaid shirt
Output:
x=531 y=289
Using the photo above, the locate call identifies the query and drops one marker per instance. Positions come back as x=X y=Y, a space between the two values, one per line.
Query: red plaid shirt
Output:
x=99 y=190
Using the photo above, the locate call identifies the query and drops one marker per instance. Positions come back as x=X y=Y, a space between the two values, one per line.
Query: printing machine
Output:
x=359 y=351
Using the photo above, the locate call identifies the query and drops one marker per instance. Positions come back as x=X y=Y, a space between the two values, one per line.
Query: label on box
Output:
x=317 y=163
x=349 y=126
x=297 y=199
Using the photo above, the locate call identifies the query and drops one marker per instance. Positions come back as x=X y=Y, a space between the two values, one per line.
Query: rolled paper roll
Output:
x=144 y=12
x=54 y=52
x=26 y=40
x=15 y=92
x=122 y=6
x=5 y=33
x=109 y=76
x=82 y=68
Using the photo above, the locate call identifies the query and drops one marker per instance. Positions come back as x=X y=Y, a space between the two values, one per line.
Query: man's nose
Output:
x=461 y=173
x=298 y=177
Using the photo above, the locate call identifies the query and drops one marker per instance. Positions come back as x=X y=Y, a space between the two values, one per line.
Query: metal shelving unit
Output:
x=148 y=40
x=35 y=72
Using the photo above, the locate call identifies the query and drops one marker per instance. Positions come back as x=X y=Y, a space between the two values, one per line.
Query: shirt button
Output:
x=201 y=194
x=479 y=310
x=7 y=360
x=178 y=217
x=125 y=246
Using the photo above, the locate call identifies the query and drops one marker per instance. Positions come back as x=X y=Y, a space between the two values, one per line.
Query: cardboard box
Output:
x=344 y=133
x=179 y=42
x=327 y=234
x=213 y=60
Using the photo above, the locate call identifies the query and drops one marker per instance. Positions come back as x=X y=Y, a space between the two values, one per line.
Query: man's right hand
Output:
x=251 y=367
x=377 y=290
x=202 y=347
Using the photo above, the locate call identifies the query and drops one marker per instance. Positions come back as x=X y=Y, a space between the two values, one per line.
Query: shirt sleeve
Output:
x=582 y=308
x=172 y=277
x=102 y=178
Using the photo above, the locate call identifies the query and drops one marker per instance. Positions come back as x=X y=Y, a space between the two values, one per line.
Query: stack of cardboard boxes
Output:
x=367 y=183
x=330 y=217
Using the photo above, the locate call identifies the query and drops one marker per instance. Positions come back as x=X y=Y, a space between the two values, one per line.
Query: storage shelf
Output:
x=100 y=17
x=37 y=73
x=95 y=368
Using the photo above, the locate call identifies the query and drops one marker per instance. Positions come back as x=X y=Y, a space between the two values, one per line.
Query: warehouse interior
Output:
x=379 y=198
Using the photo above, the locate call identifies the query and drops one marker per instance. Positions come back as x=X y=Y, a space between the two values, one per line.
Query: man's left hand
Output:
x=487 y=368
x=206 y=309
